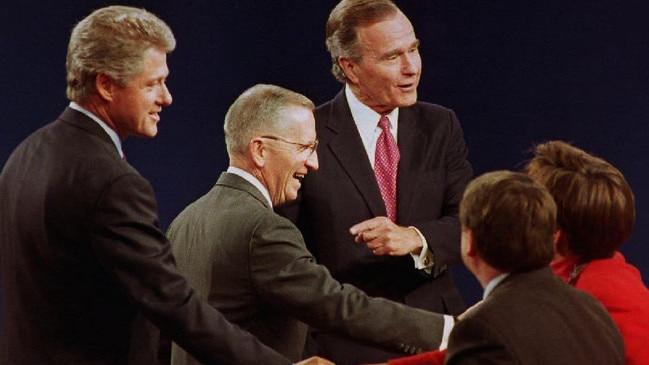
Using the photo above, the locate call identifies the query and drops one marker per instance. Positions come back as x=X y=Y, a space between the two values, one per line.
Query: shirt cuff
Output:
x=423 y=261
x=449 y=322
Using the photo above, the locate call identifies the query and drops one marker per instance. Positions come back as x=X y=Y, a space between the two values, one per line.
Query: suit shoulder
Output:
x=322 y=112
x=430 y=111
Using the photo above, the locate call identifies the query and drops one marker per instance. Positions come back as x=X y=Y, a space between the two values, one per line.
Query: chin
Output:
x=409 y=100
x=150 y=133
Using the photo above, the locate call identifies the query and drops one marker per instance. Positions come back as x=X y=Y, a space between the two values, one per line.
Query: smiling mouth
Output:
x=299 y=177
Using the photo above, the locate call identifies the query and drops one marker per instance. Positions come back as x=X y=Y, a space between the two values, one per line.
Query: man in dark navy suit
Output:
x=403 y=250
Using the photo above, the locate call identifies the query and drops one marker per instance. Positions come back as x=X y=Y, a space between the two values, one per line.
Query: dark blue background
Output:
x=515 y=72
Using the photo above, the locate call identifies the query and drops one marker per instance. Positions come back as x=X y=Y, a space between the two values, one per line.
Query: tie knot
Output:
x=384 y=123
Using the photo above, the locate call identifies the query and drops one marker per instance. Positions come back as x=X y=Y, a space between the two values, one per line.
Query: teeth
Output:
x=298 y=176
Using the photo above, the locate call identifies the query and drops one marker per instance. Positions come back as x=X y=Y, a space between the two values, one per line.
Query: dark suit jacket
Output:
x=253 y=266
x=433 y=172
x=535 y=318
x=81 y=255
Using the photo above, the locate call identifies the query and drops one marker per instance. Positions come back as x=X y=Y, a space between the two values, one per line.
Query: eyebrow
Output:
x=393 y=52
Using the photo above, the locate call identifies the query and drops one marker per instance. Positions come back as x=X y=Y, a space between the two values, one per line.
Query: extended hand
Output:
x=384 y=237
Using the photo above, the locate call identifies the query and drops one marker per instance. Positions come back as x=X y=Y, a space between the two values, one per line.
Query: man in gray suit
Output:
x=252 y=264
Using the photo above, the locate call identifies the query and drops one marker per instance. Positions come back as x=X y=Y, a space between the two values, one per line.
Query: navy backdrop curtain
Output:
x=515 y=72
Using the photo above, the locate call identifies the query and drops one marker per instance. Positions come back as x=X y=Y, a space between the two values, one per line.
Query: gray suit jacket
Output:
x=252 y=265
x=535 y=318
x=81 y=255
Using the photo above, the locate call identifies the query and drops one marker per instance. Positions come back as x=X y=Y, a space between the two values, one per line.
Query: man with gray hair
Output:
x=80 y=249
x=252 y=264
x=392 y=174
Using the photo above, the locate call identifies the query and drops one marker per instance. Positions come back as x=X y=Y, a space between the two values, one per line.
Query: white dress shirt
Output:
x=367 y=123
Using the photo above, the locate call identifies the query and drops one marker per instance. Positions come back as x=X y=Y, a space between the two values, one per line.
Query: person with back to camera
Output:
x=81 y=253
x=596 y=214
x=392 y=171
x=527 y=315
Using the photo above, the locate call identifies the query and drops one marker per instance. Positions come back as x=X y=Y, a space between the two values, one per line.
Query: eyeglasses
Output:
x=311 y=147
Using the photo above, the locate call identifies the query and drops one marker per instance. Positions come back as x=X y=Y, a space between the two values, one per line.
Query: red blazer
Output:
x=619 y=287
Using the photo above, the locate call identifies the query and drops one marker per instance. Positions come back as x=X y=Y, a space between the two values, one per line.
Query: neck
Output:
x=485 y=273
x=97 y=108
x=363 y=99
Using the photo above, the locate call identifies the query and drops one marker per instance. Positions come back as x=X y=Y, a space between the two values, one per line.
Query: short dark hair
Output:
x=512 y=219
x=596 y=209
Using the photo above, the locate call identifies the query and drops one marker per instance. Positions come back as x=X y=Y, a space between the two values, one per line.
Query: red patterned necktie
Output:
x=386 y=160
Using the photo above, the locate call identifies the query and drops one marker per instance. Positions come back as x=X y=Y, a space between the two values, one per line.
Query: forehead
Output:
x=298 y=120
x=394 y=32
x=154 y=64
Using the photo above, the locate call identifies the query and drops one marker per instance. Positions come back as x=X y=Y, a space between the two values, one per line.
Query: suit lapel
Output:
x=411 y=147
x=346 y=146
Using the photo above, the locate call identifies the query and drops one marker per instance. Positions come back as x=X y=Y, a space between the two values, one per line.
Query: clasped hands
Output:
x=384 y=237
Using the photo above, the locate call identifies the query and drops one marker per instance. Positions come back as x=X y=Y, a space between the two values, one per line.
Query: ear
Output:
x=349 y=67
x=105 y=87
x=471 y=249
x=468 y=243
x=258 y=152
x=561 y=244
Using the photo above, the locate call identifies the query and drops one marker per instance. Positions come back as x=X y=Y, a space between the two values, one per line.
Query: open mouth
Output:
x=406 y=86
x=298 y=177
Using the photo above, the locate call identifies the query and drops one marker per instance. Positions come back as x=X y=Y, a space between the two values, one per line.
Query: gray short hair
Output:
x=342 y=37
x=257 y=110
x=112 y=41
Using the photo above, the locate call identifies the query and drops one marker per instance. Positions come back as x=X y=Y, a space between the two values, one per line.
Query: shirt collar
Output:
x=253 y=180
x=111 y=133
x=493 y=283
x=367 y=119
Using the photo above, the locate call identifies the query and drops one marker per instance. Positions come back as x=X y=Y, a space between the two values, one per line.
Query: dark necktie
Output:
x=386 y=160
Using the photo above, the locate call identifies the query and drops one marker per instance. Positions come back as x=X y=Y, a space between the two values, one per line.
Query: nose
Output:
x=411 y=63
x=166 y=98
x=312 y=161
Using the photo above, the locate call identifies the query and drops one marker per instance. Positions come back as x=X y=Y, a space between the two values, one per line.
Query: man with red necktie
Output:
x=395 y=187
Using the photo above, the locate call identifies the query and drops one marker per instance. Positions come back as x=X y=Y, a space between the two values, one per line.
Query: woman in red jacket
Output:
x=595 y=216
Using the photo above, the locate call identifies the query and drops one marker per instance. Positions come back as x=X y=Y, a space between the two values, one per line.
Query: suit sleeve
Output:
x=286 y=275
x=473 y=342
x=443 y=233
x=128 y=243
x=426 y=358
